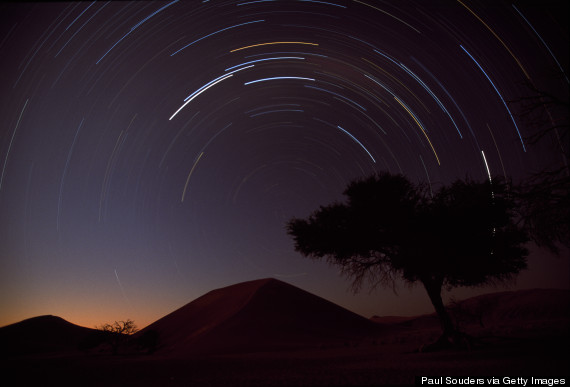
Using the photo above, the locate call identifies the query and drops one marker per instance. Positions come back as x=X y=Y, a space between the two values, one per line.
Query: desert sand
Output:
x=269 y=333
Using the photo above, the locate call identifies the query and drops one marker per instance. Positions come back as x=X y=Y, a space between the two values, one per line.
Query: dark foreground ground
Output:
x=532 y=350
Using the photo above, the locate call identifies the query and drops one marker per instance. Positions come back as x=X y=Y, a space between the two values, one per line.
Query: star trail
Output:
x=171 y=141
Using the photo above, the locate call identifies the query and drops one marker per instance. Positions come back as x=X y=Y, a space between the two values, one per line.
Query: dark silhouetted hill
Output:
x=46 y=334
x=260 y=315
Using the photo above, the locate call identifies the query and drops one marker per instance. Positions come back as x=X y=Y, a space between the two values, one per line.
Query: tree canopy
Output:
x=544 y=196
x=464 y=234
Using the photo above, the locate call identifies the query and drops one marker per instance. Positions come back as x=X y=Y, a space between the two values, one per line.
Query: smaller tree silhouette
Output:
x=118 y=333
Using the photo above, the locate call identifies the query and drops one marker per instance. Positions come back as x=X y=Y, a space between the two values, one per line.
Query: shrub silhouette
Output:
x=118 y=333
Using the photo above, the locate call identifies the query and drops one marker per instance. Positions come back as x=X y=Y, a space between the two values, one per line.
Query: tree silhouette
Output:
x=118 y=333
x=544 y=196
x=465 y=235
x=545 y=208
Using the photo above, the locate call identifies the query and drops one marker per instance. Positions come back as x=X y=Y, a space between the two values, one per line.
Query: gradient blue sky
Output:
x=153 y=151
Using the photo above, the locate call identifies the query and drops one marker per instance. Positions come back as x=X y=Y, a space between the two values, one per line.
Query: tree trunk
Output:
x=450 y=336
x=433 y=288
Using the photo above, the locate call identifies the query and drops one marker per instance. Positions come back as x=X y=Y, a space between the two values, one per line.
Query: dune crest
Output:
x=259 y=315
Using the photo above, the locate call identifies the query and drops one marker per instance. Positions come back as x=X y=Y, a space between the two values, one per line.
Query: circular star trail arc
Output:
x=171 y=141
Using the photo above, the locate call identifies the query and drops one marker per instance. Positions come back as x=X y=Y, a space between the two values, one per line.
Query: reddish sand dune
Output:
x=521 y=305
x=259 y=315
x=496 y=312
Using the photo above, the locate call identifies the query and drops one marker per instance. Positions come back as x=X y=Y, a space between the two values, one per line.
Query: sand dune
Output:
x=259 y=315
x=269 y=333
x=268 y=315
x=521 y=305
x=500 y=309
x=45 y=334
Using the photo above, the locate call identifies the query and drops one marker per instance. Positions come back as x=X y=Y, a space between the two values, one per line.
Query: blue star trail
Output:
x=170 y=141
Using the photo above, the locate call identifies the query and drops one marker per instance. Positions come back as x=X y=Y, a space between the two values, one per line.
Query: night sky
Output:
x=153 y=151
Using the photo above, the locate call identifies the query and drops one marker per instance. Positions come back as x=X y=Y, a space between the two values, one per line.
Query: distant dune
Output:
x=493 y=313
x=520 y=305
x=45 y=334
x=260 y=315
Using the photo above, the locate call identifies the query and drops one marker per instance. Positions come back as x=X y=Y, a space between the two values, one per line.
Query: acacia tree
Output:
x=389 y=228
x=118 y=333
x=544 y=196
